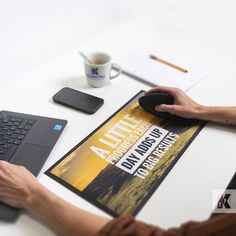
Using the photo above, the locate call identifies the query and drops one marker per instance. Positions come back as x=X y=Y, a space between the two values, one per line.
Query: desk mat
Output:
x=120 y=164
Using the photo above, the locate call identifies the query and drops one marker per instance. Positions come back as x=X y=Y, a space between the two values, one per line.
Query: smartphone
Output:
x=78 y=100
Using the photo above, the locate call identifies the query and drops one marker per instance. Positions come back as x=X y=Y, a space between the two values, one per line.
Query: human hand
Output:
x=183 y=105
x=17 y=185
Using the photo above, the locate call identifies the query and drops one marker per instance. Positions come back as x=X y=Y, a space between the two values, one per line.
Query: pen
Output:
x=168 y=63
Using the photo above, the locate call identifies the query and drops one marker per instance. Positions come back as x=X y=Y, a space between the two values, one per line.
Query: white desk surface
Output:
x=208 y=163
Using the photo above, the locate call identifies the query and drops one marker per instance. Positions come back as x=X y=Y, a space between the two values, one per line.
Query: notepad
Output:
x=168 y=70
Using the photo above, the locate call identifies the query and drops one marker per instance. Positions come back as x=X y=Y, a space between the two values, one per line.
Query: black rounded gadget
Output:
x=148 y=102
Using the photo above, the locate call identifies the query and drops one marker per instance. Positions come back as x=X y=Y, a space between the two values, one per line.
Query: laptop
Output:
x=26 y=140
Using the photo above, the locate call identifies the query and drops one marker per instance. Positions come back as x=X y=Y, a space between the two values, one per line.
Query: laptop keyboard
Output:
x=13 y=130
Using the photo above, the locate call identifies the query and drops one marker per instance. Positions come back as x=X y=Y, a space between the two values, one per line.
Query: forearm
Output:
x=223 y=115
x=62 y=216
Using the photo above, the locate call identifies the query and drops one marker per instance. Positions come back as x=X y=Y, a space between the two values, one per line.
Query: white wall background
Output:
x=32 y=32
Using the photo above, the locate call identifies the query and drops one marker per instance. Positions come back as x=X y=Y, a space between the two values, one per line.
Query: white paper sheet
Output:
x=140 y=66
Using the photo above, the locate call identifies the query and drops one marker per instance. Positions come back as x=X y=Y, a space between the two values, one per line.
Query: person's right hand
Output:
x=183 y=105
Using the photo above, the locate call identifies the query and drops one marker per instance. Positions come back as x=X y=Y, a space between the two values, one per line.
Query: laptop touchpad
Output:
x=32 y=157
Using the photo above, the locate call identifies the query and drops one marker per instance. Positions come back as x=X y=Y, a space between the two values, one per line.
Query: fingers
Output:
x=166 y=108
x=7 y=167
x=4 y=165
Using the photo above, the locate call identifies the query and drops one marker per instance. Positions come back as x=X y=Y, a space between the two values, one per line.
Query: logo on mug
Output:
x=95 y=73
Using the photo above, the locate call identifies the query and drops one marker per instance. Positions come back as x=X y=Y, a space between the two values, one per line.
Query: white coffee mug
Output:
x=98 y=69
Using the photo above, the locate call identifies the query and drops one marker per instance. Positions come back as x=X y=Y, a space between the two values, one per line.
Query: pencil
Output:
x=168 y=63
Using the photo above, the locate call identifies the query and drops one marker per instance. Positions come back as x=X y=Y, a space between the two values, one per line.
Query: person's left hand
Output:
x=17 y=184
